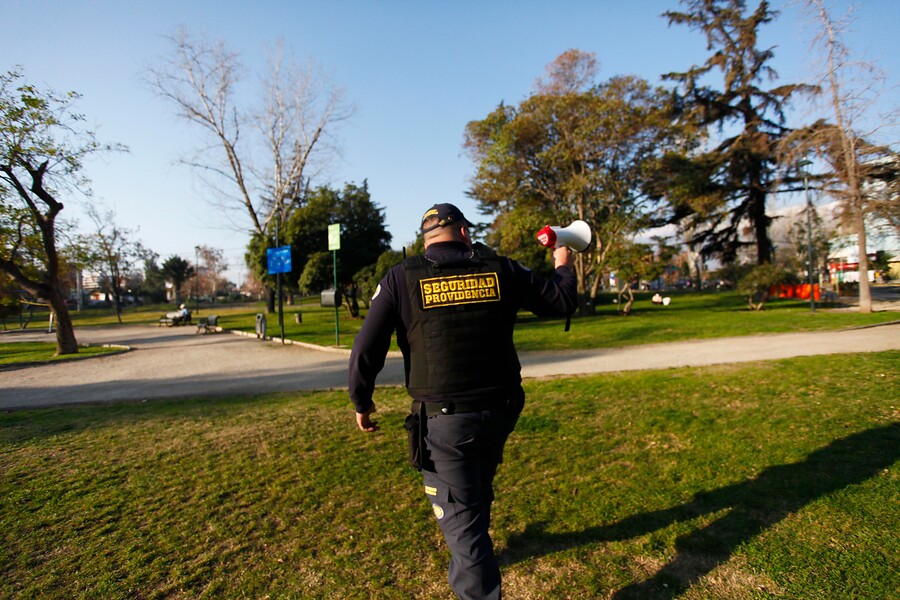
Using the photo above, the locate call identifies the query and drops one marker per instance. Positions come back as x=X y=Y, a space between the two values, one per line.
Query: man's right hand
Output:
x=563 y=257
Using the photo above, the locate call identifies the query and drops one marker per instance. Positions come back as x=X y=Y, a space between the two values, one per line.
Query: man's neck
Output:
x=447 y=245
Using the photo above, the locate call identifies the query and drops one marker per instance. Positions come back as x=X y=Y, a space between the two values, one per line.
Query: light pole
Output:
x=197 y=277
x=809 y=209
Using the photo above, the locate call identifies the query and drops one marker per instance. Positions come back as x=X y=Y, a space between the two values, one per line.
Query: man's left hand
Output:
x=364 y=421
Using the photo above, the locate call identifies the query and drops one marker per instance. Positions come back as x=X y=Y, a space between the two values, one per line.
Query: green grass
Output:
x=150 y=314
x=689 y=316
x=32 y=352
x=764 y=479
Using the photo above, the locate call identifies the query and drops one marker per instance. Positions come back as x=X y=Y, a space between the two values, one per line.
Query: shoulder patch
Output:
x=377 y=291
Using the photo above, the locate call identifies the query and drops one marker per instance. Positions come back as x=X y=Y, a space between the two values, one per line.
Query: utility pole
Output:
x=197 y=279
x=809 y=209
x=278 y=287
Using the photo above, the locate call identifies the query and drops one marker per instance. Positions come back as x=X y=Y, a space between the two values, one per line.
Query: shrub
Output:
x=756 y=281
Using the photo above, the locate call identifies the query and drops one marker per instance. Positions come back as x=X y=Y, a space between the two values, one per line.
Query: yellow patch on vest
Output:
x=431 y=491
x=459 y=289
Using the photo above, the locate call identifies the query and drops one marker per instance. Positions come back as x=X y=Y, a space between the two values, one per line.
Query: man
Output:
x=454 y=309
x=183 y=316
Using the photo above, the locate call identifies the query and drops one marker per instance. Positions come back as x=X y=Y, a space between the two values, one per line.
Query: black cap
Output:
x=446 y=214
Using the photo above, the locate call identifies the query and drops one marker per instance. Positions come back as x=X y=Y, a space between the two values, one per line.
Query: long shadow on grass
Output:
x=754 y=505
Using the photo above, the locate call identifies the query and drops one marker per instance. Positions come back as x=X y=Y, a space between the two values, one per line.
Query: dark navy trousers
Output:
x=462 y=454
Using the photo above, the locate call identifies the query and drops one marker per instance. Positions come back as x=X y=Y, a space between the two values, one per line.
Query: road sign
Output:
x=334 y=236
x=279 y=259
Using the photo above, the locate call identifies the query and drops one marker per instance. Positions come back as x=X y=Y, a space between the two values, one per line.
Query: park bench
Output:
x=207 y=324
x=174 y=319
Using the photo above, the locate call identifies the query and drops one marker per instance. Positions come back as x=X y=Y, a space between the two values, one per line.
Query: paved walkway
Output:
x=177 y=362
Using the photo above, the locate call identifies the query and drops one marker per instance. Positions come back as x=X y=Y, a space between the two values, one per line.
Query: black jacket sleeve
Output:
x=372 y=342
x=555 y=297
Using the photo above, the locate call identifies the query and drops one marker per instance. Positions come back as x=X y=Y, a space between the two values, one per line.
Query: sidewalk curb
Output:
x=285 y=341
x=398 y=354
x=869 y=326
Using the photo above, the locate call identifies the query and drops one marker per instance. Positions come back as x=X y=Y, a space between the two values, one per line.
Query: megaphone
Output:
x=576 y=236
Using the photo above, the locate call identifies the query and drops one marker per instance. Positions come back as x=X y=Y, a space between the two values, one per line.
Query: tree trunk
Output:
x=757 y=210
x=118 y=301
x=865 y=294
x=626 y=291
x=757 y=301
x=65 y=331
x=580 y=268
x=351 y=302
x=588 y=306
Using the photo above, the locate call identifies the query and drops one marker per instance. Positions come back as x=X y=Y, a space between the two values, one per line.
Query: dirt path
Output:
x=177 y=362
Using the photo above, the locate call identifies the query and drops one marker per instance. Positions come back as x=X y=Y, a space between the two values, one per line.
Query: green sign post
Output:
x=334 y=244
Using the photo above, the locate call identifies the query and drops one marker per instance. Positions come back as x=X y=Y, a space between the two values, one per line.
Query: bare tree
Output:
x=211 y=274
x=851 y=89
x=113 y=252
x=265 y=155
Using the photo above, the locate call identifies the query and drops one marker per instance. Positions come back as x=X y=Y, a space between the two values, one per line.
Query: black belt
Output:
x=450 y=408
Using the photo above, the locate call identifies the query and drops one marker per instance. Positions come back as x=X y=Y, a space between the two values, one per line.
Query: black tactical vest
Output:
x=462 y=319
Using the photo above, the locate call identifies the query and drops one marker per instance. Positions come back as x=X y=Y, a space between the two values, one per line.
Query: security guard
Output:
x=454 y=309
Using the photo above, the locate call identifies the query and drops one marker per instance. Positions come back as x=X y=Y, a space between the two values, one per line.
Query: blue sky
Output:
x=417 y=72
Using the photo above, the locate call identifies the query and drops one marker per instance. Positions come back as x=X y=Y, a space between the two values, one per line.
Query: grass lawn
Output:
x=689 y=316
x=765 y=479
x=30 y=352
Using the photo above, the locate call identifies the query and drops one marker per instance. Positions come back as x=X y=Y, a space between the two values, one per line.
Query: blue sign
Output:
x=279 y=259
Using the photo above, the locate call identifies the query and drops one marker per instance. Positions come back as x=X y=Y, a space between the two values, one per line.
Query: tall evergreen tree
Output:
x=727 y=185
x=177 y=271
x=154 y=286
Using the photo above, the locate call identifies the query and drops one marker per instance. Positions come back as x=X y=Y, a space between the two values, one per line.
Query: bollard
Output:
x=260 y=326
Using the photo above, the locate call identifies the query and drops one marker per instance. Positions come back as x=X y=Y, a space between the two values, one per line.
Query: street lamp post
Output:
x=197 y=278
x=809 y=209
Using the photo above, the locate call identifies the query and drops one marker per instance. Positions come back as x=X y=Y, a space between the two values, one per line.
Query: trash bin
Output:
x=260 y=325
x=331 y=298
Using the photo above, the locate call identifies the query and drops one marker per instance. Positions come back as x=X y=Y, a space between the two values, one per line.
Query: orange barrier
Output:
x=794 y=290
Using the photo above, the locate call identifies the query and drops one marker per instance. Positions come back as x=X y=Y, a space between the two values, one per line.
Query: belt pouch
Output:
x=414 y=436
